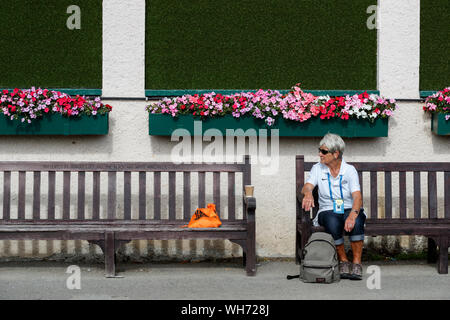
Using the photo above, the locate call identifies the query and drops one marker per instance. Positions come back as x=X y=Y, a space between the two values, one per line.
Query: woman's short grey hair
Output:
x=334 y=143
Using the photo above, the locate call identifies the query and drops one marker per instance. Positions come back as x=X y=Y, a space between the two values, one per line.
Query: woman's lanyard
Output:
x=340 y=187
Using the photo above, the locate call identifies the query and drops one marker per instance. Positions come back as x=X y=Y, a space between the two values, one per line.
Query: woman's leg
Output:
x=357 y=248
x=357 y=237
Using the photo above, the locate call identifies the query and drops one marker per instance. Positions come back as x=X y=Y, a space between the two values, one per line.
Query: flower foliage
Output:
x=297 y=105
x=439 y=103
x=29 y=104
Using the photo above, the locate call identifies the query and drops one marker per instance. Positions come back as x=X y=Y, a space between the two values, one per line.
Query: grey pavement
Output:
x=216 y=281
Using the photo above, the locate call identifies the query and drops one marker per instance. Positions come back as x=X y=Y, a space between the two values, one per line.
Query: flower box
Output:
x=439 y=125
x=39 y=111
x=295 y=114
x=165 y=125
x=438 y=105
x=56 y=124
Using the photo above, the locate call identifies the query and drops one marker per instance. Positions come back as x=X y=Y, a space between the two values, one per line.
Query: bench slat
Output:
x=6 y=195
x=390 y=166
x=361 y=182
x=36 y=195
x=157 y=195
x=81 y=195
x=22 y=195
x=216 y=191
x=142 y=195
x=201 y=189
x=96 y=196
x=231 y=196
x=127 y=195
x=388 y=194
x=118 y=228
x=432 y=195
x=119 y=222
x=51 y=194
x=246 y=180
x=402 y=194
x=112 y=195
x=172 y=194
x=373 y=195
x=417 y=195
x=186 y=196
x=66 y=195
x=447 y=194
x=116 y=166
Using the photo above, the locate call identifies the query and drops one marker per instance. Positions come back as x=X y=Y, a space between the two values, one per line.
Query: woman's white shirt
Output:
x=318 y=176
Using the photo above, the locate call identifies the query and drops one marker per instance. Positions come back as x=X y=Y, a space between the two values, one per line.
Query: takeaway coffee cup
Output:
x=249 y=190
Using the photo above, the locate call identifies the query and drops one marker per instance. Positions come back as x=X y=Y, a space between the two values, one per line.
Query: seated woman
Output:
x=340 y=202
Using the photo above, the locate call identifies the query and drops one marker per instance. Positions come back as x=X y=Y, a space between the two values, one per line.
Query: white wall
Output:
x=399 y=48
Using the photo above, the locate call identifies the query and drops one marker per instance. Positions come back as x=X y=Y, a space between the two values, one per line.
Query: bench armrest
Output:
x=250 y=204
x=306 y=216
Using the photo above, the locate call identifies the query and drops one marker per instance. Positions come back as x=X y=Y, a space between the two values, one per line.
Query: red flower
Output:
x=46 y=110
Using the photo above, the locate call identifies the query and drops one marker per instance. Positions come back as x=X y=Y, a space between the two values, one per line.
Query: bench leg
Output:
x=110 y=255
x=250 y=261
x=298 y=239
x=443 y=256
x=250 y=258
x=432 y=251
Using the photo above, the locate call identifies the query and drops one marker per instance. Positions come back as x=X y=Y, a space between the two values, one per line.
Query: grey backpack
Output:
x=320 y=263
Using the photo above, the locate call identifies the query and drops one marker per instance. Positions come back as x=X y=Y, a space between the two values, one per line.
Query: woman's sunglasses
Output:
x=324 y=152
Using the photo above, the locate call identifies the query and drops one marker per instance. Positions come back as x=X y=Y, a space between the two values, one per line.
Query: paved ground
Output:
x=215 y=281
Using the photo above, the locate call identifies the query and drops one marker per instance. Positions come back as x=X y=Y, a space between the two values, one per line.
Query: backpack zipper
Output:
x=319 y=267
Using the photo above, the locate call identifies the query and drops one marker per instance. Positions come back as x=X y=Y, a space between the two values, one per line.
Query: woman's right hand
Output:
x=308 y=201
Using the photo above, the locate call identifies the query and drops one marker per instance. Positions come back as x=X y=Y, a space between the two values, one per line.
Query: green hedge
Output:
x=434 y=44
x=37 y=48
x=203 y=44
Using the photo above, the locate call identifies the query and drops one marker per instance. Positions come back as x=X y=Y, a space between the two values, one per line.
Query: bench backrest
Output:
x=386 y=170
x=105 y=177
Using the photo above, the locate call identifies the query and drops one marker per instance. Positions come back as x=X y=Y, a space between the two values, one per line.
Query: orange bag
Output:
x=205 y=218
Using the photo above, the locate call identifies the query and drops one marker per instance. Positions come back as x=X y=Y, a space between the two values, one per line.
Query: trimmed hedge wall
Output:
x=37 y=48
x=434 y=44
x=203 y=44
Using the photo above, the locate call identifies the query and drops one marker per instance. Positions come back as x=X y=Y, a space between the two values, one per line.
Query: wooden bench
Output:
x=116 y=228
x=435 y=225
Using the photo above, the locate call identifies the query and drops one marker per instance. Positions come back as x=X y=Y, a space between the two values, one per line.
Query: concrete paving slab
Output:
x=215 y=281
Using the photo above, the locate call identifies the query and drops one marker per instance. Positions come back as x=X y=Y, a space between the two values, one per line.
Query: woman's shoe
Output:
x=356 y=273
x=345 y=269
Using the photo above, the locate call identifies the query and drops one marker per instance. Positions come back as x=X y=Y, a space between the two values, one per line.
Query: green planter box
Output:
x=55 y=124
x=164 y=125
x=439 y=125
